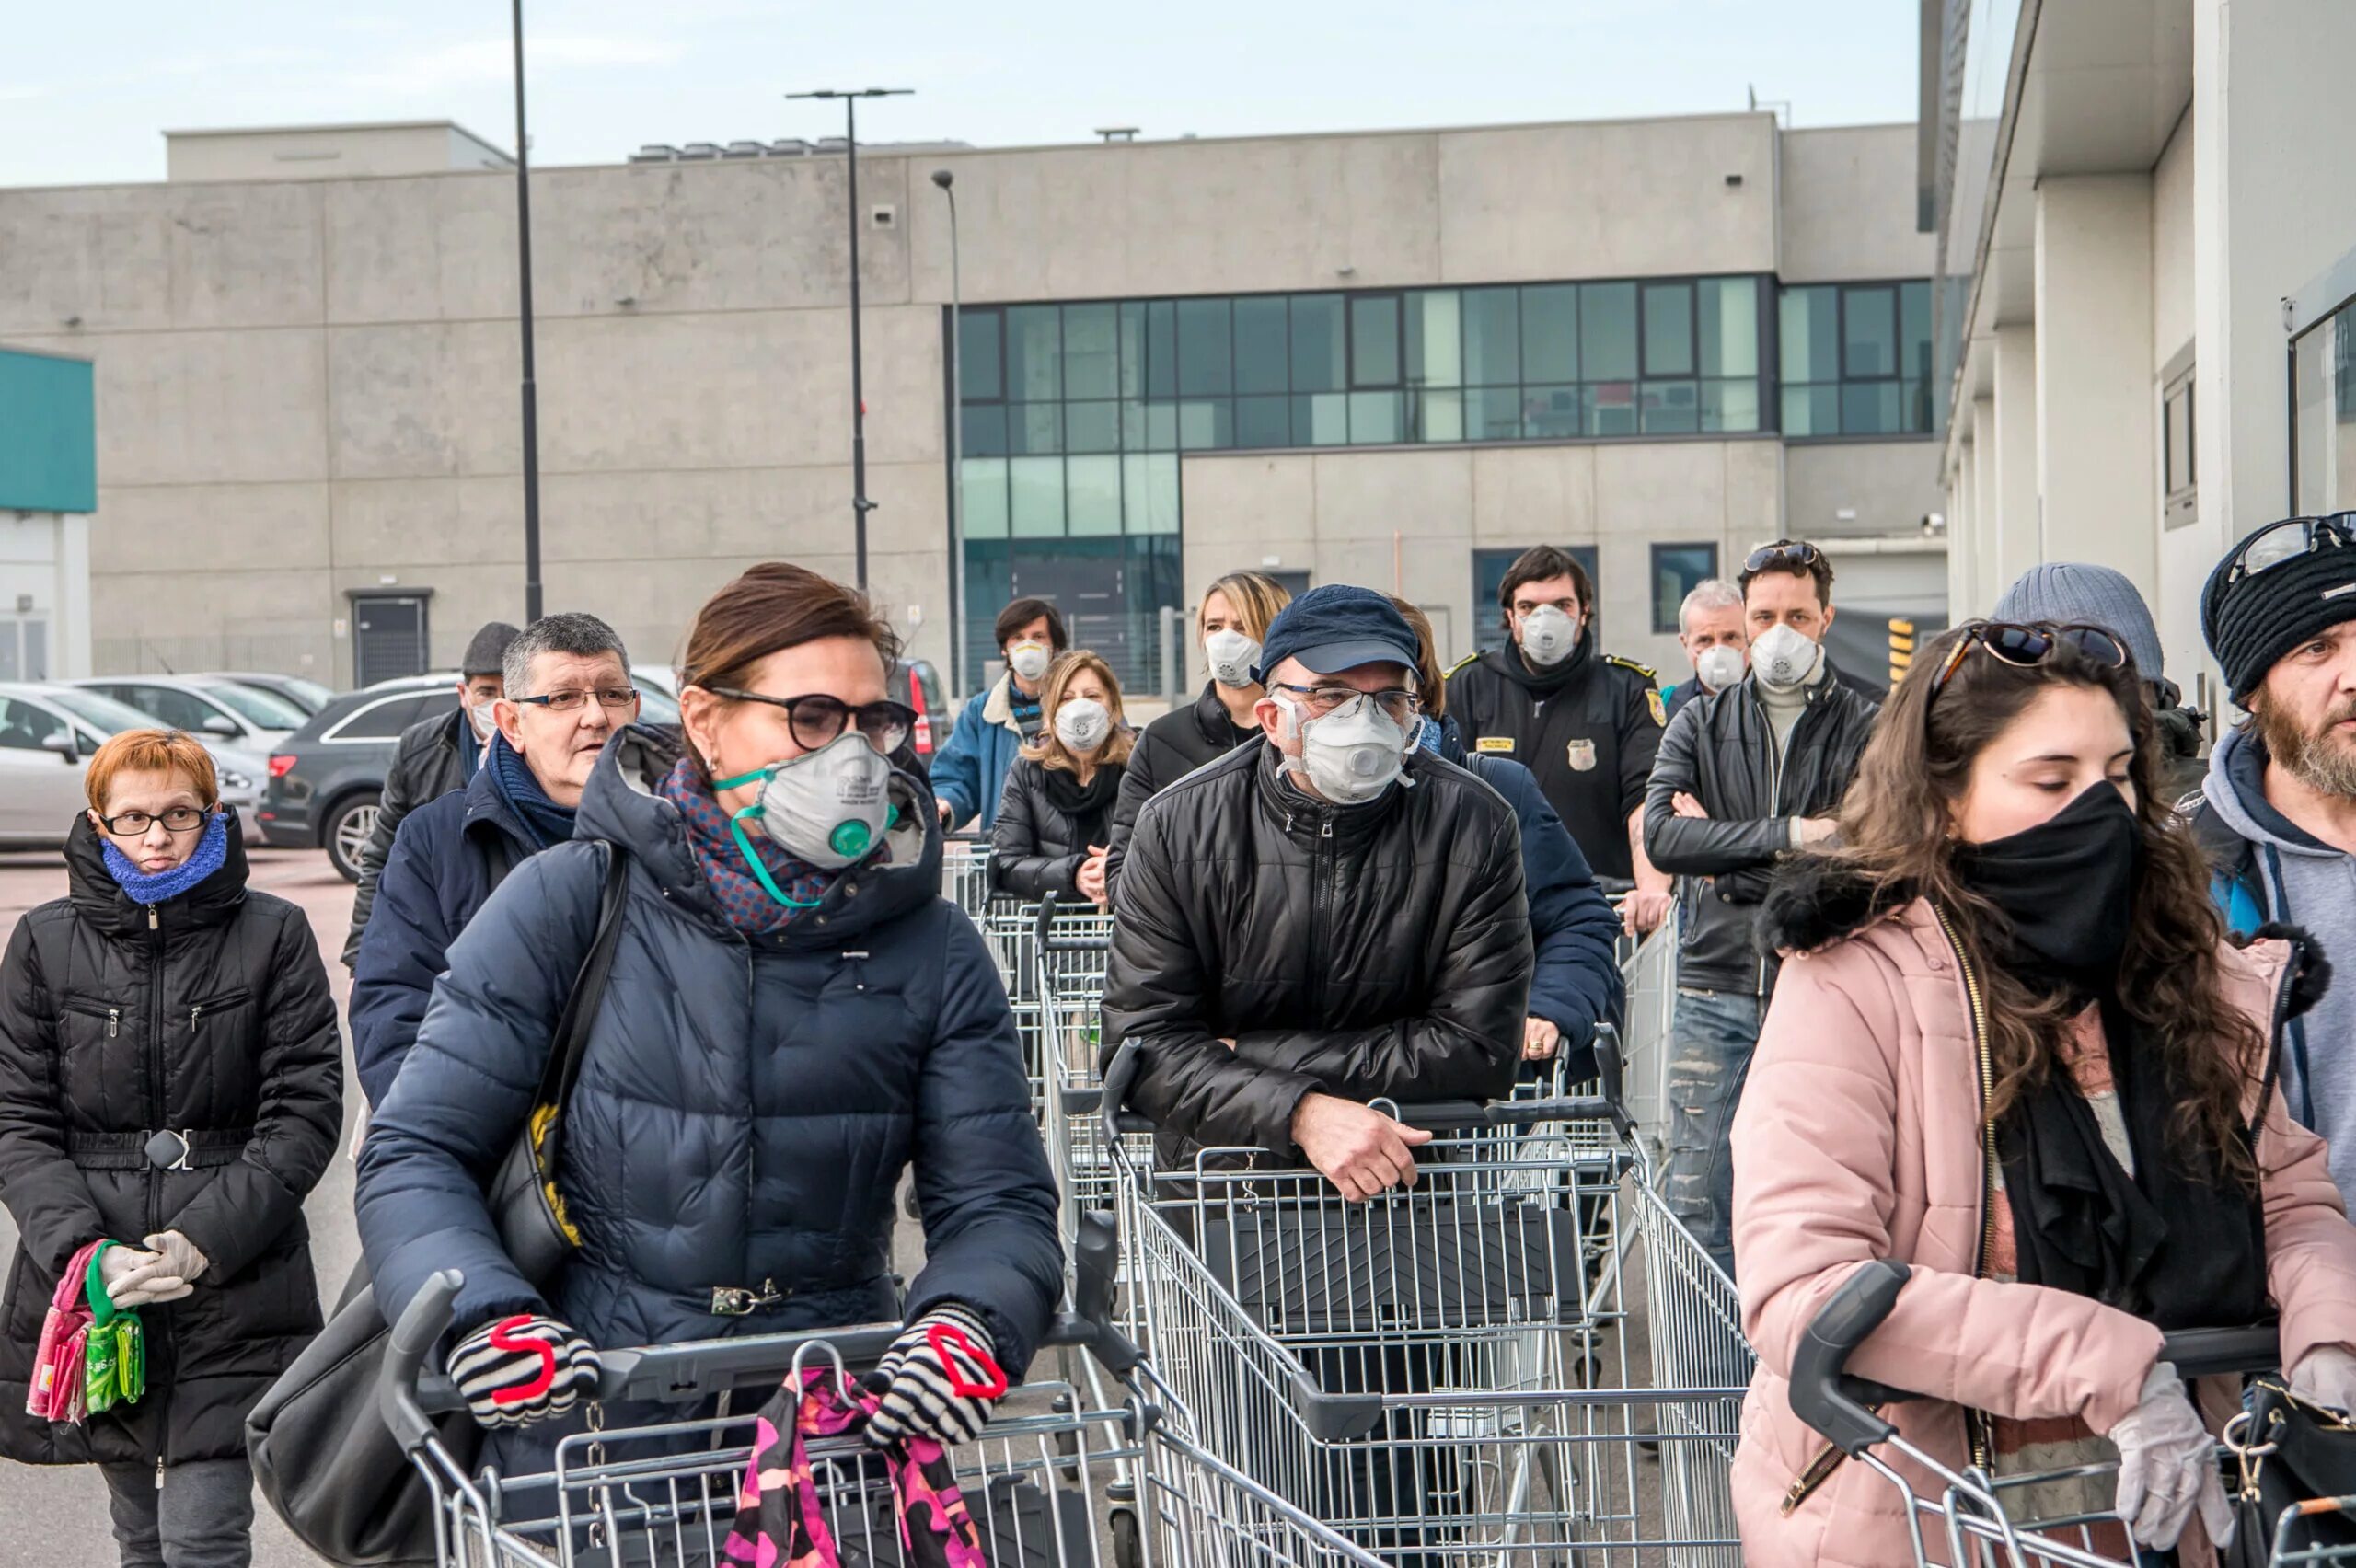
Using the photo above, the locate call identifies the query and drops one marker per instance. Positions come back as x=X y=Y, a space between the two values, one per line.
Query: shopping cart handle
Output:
x=1822 y=1394
x=2202 y=1353
x=422 y=1325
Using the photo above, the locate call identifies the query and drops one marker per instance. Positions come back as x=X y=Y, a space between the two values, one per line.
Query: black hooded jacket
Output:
x=1358 y=951
x=208 y=1013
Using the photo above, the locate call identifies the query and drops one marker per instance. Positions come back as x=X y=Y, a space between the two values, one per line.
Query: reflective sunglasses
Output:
x=2287 y=541
x=818 y=720
x=1797 y=553
x=2025 y=647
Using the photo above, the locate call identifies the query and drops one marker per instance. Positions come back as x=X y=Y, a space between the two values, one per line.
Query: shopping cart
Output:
x=1048 y=1487
x=966 y=874
x=1649 y=972
x=1968 y=1515
x=1445 y=1374
x=1069 y=948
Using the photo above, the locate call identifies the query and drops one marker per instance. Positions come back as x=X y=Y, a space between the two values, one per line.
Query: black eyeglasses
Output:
x=2278 y=543
x=612 y=699
x=1797 y=553
x=818 y=720
x=2025 y=647
x=178 y=819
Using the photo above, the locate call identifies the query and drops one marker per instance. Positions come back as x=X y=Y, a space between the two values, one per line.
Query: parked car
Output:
x=205 y=705
x=922 y=683
x=47 y=734
x=325 y=778
x=298 y=691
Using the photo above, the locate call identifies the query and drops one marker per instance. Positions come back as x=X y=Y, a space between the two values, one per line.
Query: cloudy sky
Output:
x=85 y=90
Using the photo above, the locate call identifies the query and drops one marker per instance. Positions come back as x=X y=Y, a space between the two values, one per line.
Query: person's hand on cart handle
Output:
x=940 y=1379
x=1643 y=910
x=943 y=807
x=2167 y=1467
x=2325 y=1376
x=522 y=1368
x=1540 y=1040
x=1360 y=1150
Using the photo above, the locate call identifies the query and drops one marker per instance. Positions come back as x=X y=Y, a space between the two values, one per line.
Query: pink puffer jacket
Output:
x=1858 y=1137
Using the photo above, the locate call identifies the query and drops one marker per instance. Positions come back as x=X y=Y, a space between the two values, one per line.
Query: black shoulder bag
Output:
x=326 y=1461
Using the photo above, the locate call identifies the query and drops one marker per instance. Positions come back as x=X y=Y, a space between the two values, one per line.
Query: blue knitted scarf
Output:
x=211 y=851
x=545 y=822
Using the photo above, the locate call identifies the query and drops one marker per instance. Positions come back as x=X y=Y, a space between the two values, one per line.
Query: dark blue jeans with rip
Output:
x=1713 y=1035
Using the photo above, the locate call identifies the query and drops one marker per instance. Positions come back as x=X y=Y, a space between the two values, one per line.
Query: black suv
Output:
x=325 y=776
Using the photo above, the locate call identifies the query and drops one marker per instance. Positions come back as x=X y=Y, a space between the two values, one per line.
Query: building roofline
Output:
x=9 y=348
x=331 y=126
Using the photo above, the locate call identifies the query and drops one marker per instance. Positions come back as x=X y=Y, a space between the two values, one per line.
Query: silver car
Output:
x=47 y=734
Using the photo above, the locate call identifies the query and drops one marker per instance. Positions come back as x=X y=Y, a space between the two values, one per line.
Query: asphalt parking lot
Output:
x=59 y=1516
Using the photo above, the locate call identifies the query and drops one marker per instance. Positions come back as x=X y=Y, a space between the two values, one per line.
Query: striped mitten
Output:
x=522 y=1368
x=939 y=1380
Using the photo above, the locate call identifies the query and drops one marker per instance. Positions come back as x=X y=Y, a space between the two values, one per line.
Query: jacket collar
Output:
x=488 y=812
x=620 y=806
x=1507 y=662
x=100 y=900
x=1304 y=817
x=998 y=707
x=1210 y=717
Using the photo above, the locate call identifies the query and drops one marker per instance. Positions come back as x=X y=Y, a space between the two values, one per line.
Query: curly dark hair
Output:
x=1894 y=826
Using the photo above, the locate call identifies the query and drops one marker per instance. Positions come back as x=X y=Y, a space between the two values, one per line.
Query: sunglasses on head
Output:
x=1797 y=553
x=2279 y=544
x=2025 y=647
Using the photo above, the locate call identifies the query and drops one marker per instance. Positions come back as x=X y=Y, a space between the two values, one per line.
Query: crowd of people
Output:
x=1985 y=975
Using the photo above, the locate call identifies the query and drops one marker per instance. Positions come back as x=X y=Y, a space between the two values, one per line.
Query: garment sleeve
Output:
x=1640 y=732
x=1815 y=1153
x=45 y=1193
x=1697 y=846
x=1017 y=865
x=1575 y=982
x=400 y=958
x=251 y=1201
x=1139 y=782
x=982 y=1183
x=957 y=766
x=395 y=801
x=2310 y=1246
x=465 y=1087
x=1466 y=1044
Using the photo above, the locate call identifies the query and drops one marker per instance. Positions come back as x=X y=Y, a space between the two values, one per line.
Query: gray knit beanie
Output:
x=2069 y=591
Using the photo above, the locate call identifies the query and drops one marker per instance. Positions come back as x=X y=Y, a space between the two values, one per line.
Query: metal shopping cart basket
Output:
x=1969 y=1516
x=1070 y=948
x=1046 y=1487
x=966 y=874
x=1446 y=1373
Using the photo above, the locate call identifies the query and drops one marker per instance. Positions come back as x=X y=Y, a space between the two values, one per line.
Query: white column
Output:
x=2097 y=481
x=1986 y=498
x=69 y=626
x=1962 y=534
x=2016 y=531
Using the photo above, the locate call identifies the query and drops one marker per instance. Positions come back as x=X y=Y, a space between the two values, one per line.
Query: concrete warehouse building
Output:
x=1391 y=358
x=2147 y=225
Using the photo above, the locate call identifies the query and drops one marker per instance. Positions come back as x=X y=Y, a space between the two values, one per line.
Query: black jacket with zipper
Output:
x=1721 y=750
x=1167 y=750
x=1047 y=822
x=1360 y=951
x=208 y=1013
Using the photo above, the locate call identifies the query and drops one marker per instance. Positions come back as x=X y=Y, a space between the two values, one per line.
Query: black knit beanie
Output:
x=2253 y=620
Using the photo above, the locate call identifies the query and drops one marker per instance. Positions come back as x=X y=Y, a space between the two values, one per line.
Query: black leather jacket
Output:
x=1720 y=749
x=1363 y=951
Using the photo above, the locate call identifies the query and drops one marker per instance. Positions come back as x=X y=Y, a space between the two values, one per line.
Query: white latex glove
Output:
x=2167 y=1467
x=128 y=1274
x=2325 y=1376
x=168 y=1273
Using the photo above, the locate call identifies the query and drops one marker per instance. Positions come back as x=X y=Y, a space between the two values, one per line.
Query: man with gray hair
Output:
x=1709 y=628
x=568 y=691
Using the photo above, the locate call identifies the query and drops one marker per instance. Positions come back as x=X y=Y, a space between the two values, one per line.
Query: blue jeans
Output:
x=1714 y=1034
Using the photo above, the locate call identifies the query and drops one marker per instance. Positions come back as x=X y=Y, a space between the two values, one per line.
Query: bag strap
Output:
x=571 y=1042
x=93 y=1288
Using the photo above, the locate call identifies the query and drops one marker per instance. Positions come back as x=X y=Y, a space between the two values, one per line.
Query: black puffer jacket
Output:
x=1047 y=822
x=429 y=760
x=1168 y=749
x=1721 y=750
x=215 y=1019
x=1363 y=951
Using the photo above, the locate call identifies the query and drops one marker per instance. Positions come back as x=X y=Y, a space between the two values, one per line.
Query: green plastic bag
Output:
x=115 y=1360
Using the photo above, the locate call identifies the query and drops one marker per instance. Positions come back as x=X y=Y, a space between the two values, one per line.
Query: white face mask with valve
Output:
x=1784 y=659
x=1548 y=636
x=1719 y=667
x=826 y=808
x=1083 y=723
x=1029 y=659
x=1349 y=756
x=1231 y=655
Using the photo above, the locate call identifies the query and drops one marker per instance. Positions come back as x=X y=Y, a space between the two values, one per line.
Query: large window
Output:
x=1677 y=570
x=1856 y=360
x=1489 y=569
x=2323 y=434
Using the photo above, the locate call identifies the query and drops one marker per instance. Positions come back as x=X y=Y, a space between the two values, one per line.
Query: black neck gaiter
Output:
x=2066 y=889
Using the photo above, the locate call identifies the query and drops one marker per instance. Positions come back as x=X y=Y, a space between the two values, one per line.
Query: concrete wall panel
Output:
x=1888 y=486
x=284 y=526
x=1523 y=495
x=131 y=257
x=1375 y=495
x=204 y=408
x=1848 y=205
x=427 y=400
x=2172 y=247
x=245 y=618
x=437 y=249
x=1232 y=504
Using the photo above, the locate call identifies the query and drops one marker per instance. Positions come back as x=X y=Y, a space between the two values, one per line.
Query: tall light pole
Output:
x=947 y=181
x=860 y=505
x=523 y=313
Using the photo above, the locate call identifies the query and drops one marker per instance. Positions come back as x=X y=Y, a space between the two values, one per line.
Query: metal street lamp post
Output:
x=947 y=181
x=860 y=505
x=523 y=313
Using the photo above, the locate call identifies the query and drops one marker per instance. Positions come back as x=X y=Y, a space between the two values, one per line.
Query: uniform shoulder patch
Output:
x=1468 y=659
x=1643 y=670
x=1660 y=709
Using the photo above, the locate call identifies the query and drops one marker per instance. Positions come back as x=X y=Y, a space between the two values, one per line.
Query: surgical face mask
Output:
x=1548 y=635
x=1349 y=756
x=1783 y=658
x=1231 y=655
x=481 y=715
x=1718 y=667
x=1030 y=660
x=1083 y=723
x=827 y=807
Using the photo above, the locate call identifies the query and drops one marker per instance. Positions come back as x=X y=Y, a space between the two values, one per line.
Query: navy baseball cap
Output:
x=1337 y=628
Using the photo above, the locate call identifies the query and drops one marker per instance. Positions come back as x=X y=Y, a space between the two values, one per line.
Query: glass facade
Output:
x=1856 y=360
x=2323 y=436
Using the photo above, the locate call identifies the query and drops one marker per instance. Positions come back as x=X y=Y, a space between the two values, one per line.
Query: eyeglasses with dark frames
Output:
x=612 y=699
x=818 y=720
x=2278 y=544
x=2025 y=647
x=176 y=819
